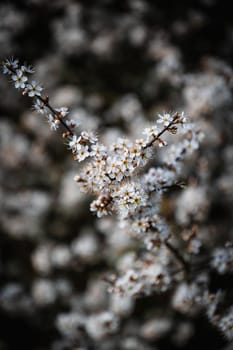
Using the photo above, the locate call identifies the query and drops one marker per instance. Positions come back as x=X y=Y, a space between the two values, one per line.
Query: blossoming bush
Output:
x=128 y=180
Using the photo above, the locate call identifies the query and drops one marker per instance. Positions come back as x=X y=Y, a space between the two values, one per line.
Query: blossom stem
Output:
x=47 y=104
x=178 y=257
x=155 y=138
x=55 y=114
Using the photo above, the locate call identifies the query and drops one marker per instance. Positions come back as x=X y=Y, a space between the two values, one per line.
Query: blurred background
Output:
x=115 y=65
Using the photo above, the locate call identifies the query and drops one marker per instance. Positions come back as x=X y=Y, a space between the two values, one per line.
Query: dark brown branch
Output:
x=157 y=137
x=55 y=113
x=178 y=257
x=45 y=101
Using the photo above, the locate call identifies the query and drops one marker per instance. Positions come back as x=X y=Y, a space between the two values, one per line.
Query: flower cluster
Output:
x=19 y=75
x=97 y=326
x=114 y=174
x=143 y=277
x=125 y=180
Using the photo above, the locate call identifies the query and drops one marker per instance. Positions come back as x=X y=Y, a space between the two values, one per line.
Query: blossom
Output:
x=81 y=153
x=141 y=225
x=113 y=167
x=19 y=79
x=126 y=165
x=89 y=136
x=72 y=124
x=173 y=154
x=85 y=247
x=43 y=292
x=53 y=122
x=9 y=65
x=33 y=89
x=98 y=151
x=101 y=206
x=60 y=256
x=151 y=131
x=129 y=284
x=226 y=324
x=222 y=260
x=63 y=111
x=145 y=155
x=28 y=69
x=68 y=323
x=164 y=119
x=100 y=325
x=123 y=143
x=135 y=151
x=156 y=178
x=183 y=118
x=114 y=176
x=129 y=197
x=190 y=145
x=40 y=106
x=74 y=143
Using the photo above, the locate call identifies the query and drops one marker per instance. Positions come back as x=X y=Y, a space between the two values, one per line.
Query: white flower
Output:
x=152 y=131
x=60 y=256
x=129 y=284
x=145 y=156
x=98 y=151
x=40 y=107
x=68 y=323
x=89 y=136
x=33 y=89
x=184 y=298
x=194 y=246
x=81 y=153
x=85 y=247
x=156 y=178
x=222 y=260
x=141 y=225
x=101 y=325
x=113 y=168
x=165 y=119
x=173 y=154
x=10 y=63
x=101 y=205
x=19 y=79
x=129 y=197
x=43 y=292
x=183 y=118
x=121 y=305
x=126 y=165
x=226 y=324
x=27 y=69
x=123 y=144
x=63 y=111
x=135 y=151
x=72 y=124
x=74 y=143
x=140 y=143
x=53 y=122
x=157 y=276
x=100 y=181
x=190 y=145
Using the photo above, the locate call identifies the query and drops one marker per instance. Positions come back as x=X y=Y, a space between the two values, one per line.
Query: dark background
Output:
x=30 y=31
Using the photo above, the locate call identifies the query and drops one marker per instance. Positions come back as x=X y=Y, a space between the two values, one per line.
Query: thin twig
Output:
x=178 y=256
x=45 y=101
x=155 y=138
x=55 y=113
